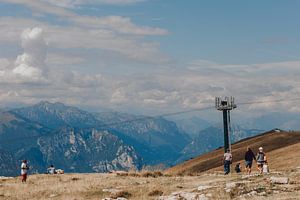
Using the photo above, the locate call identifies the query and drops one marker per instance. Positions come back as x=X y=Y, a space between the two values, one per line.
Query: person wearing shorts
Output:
x=249 y=157
x=260 y=158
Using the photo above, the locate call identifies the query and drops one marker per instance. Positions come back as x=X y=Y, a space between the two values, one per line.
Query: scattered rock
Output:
x=262 y=194
x=53 y=195
x=112 y=191
x=230 y=185
x=184 y=196
x=209 y=195
x=253 y=193
x=279 y=180
x=204 y=187
x=4 y=177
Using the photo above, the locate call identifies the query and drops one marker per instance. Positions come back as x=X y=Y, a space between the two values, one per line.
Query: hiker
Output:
x=227 y=159
x=260 y=159
x=238 y=168
x=51 y=170
x=24 y=170
x=249 y=157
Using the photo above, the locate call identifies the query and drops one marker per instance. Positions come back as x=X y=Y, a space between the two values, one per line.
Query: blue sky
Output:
x=149 y=56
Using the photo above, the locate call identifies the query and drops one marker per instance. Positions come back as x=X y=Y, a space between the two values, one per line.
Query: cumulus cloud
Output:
x=83 y=38
x=31 y=64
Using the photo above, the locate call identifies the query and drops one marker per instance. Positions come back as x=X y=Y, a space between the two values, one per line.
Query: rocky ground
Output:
x=154 y=186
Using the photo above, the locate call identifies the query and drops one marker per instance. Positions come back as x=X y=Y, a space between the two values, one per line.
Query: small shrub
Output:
x=155 y=193
x=74 y=179
x=122 y=174
x=147 y=174
x=154 y=174
x=134 y=174
x=158 y=173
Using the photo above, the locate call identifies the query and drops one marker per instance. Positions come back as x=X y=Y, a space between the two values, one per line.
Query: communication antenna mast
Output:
x=225 y=104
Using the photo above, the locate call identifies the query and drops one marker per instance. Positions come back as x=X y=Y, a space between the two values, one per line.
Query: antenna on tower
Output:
x=225 y=104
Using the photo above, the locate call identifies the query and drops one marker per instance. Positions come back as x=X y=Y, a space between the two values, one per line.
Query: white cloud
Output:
x=76 y=37
x=31 y=64
x=167 y=91
x=117 y=23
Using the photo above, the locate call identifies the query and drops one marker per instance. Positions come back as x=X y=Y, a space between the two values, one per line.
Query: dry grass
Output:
x=91 y=186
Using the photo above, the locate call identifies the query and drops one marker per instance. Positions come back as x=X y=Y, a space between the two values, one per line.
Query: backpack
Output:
x=260 y=157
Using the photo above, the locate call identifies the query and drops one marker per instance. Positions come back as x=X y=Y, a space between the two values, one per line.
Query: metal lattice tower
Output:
x=225 y=104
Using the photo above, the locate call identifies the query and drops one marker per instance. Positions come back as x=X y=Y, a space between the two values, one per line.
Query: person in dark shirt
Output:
x=249 y=157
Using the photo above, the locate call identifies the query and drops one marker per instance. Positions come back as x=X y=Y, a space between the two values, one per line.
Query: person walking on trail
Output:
x=261 y=159
x=249 y=157
x=227 y=159
x=24 y=170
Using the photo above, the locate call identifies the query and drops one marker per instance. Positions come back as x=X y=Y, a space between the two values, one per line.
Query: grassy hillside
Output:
x=277 y=145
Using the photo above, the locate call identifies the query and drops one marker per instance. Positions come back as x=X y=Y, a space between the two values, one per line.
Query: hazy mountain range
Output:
x=80 y=141
x=76 y=140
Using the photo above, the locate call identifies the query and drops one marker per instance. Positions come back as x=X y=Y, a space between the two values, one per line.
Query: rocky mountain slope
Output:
x=157 y=140
x=8 y=164
x=55 y=115
x=73 y=149
x=87 y=150
x=53 y=133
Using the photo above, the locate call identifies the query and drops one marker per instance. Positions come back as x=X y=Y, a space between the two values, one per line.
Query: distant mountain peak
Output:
x=50 y=104
x=54 y=115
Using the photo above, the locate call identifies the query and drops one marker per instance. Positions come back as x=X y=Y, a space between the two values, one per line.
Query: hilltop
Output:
x=274 y=143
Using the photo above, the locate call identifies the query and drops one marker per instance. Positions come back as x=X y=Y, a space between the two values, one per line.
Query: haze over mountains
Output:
x=80 y=141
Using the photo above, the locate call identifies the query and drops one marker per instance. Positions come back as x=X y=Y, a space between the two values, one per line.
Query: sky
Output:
x=150 y=56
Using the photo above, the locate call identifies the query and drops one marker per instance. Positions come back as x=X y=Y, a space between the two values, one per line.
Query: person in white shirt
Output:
x=227 y=159
x=24 y=170
x=51 y=170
